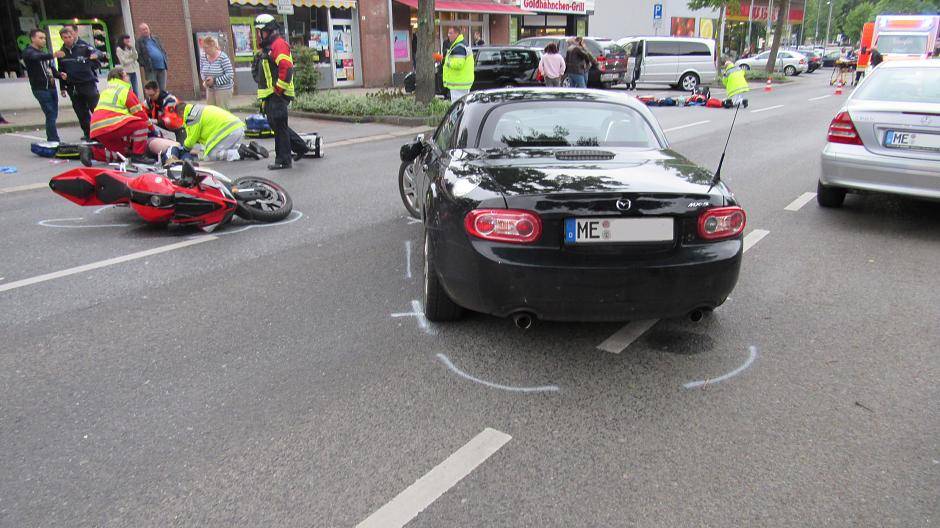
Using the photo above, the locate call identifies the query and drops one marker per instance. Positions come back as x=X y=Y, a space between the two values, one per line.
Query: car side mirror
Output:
x=410 y=151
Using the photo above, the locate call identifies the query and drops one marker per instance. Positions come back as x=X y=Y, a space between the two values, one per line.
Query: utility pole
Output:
x=829 y=23
x=750 y=19
x=816 y=33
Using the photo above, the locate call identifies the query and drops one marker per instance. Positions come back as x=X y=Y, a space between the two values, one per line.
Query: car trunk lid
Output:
x=604 y=184
x=902 y=130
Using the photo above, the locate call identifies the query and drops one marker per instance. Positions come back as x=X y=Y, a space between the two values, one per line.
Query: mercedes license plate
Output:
x=610 y=76
x=912 y=140
x=613 y=230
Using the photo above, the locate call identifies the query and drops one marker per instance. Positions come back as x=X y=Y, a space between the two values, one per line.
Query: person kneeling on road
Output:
x=160 y=106
x=119 y=123
x=735 y=84
x=219 y=132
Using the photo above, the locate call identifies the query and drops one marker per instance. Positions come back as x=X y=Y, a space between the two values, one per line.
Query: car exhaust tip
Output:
x=523 y=321
x=696 y=315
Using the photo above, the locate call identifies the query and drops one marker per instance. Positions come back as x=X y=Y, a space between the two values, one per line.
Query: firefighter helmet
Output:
x=265 y=22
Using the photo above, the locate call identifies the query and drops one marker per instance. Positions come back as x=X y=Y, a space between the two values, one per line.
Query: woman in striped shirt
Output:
x=218 y=76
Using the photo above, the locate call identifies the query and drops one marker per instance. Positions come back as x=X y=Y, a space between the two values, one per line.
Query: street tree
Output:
x=856 y=19
x=425 y=88
x=782 y=13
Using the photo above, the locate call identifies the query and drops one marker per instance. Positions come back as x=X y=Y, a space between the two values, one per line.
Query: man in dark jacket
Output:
x=42 y=73
x=152 y=56
x=78 y=65
x=578 y=63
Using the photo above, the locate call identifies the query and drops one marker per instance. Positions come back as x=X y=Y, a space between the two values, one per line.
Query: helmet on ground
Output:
x=265 y=22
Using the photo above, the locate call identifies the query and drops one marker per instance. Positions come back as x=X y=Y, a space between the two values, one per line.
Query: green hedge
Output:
x=762 y=75
x=383 y=103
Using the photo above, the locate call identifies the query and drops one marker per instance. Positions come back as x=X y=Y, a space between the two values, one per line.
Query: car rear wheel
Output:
x=828 y=196
x=438 y=306
x=789 y=71
x=689 y=82
x=745 y=67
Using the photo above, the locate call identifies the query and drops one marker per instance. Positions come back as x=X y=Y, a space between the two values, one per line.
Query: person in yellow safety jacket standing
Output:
x=735 y=84
x=219 y=132
x=458 y=66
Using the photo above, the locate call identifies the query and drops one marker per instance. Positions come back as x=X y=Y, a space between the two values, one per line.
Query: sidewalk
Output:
x=34 y=120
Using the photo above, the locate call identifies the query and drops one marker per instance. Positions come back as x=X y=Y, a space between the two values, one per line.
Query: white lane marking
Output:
x=616 y=343
x=291 y=218
x=30 y=187
x=407 y=259
x=798 y=204
x=723 y=377
x=58 y=222
x=820 y=97
x=697 y=123
x=543 y=388
x=417 y=311
x=104 y=263
x=25 y=136
x=427 y=489
x=766 y=109
x=754 y=237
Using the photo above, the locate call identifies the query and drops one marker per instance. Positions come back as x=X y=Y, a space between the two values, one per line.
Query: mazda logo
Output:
x=623 y=205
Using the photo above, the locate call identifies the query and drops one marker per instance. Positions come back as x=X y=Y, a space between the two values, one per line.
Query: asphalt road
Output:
x=281 y=376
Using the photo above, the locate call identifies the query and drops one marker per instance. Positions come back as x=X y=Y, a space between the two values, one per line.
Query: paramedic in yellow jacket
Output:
x=219 y=133
x=458 y=65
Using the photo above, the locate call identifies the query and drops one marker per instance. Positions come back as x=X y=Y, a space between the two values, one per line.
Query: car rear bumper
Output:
x=855 y=167
x=478 y=276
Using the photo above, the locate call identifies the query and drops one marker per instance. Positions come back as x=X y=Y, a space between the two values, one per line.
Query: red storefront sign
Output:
x=795 y=16
x=569 y=7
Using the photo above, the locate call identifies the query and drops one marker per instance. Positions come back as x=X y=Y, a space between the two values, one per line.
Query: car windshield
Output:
x=566 y=124
x=902 y=44
x=902 y=85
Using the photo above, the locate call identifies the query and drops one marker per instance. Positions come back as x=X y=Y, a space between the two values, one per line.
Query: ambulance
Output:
x=906 y=36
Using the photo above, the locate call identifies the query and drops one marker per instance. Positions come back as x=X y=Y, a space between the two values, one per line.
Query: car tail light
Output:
x=842 y=130
x=802 y=61
x=602 y=62
x=721 y=222
x=504 y=225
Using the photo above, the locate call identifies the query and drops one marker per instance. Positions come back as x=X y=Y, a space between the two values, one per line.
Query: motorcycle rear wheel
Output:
x=274 y=207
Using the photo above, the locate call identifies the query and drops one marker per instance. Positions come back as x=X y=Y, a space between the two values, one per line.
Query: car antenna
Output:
x=717 y=177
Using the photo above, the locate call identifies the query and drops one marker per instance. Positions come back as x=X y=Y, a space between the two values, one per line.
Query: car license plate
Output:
x=610 y=76
x=912 y=140
x=613 y=230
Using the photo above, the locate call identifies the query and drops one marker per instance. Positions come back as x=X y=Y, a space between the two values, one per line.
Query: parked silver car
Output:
x=887 y=136
x=789 y=62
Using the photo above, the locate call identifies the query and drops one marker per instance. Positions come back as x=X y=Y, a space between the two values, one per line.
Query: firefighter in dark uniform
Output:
x=273 y=70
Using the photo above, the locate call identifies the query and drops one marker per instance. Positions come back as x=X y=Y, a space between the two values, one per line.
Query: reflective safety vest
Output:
x=458 y=67
x=207 y=125
x=268 y=72
x=117 y=105
x=734 y=80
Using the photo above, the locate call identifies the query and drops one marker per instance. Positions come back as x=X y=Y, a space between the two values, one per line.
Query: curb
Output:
x=388 y=120
x=7 y=129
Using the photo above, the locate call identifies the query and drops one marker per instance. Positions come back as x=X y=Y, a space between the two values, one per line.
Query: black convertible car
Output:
x=568 y=205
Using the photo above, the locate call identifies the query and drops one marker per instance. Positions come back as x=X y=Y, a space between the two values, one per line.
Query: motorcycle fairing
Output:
x=92 y=186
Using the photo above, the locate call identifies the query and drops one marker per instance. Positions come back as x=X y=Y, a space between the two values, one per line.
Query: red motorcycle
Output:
x=183 y=194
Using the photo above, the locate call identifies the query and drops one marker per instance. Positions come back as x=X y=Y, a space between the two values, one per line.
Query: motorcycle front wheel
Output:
x=273 y=204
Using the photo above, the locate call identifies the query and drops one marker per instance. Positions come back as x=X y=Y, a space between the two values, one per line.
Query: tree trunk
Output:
x=424 y=55
x=778 y=35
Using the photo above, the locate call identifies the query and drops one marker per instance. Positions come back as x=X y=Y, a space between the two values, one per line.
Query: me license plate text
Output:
x=613 y=230
x=610 y=76
x=912 y=140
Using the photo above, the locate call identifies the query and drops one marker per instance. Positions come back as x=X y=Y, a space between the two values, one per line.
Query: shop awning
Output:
x=348 y=4
x=491 y=8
